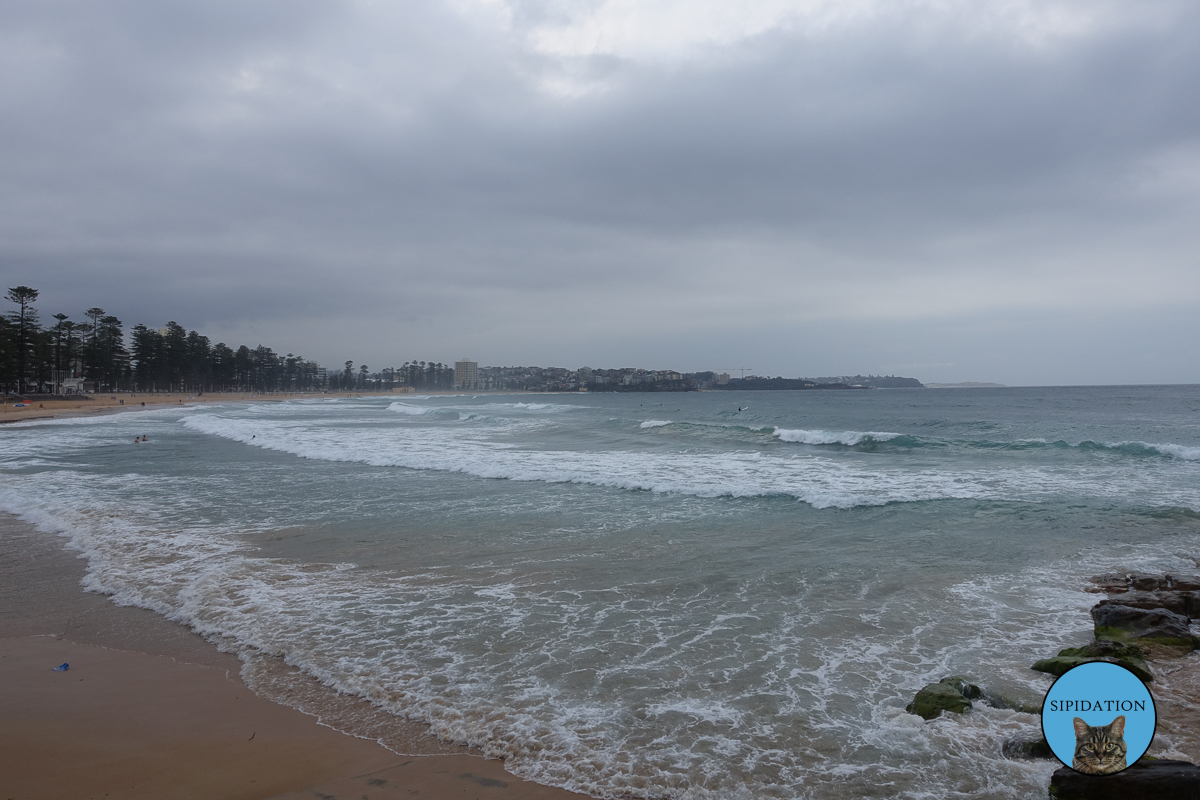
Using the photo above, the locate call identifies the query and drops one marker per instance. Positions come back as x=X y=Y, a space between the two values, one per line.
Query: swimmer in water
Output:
x=144 y=437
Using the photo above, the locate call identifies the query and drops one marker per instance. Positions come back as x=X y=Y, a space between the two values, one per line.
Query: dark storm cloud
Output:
x=307 y=172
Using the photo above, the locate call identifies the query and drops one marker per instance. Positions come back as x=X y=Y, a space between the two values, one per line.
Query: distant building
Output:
x=466 y=375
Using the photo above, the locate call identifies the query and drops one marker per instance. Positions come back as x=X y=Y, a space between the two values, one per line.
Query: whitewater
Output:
x=644 y=595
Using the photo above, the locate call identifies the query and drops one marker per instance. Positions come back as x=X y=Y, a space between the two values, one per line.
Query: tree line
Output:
x=69 y=355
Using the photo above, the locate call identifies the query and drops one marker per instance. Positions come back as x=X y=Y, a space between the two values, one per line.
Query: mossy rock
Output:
x=1119 y=634
x=1145 y=627
x=1058 y=665
x=946 y=695
x=964 y=686
x=1106 y=647
x=1129 y=656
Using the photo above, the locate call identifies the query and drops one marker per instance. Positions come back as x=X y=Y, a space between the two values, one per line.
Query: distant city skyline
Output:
x=997 y=190
x=120 y=363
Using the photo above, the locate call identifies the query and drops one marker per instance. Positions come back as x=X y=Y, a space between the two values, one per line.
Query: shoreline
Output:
x=44 y=491
x=149 y=709
x=112 y=403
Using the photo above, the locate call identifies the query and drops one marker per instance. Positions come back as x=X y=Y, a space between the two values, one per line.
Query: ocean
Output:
x=705 y=595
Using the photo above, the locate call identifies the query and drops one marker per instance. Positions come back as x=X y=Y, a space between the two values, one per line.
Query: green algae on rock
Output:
x=1129 y=656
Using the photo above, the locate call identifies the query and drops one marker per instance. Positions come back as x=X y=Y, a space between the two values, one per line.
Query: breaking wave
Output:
x=1179 y=451
x=1128 y=448
x=848 y=438
x=412 y=411
x=818 y=481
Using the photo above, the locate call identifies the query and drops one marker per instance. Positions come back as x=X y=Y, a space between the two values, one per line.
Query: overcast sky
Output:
x=956 y=190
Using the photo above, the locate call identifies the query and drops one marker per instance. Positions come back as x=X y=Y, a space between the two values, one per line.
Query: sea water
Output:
x=707 y=595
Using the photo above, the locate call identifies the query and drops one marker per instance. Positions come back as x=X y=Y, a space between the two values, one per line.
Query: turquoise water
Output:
x=649 y=596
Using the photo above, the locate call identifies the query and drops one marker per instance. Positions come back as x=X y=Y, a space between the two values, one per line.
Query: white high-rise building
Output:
x=466 y=375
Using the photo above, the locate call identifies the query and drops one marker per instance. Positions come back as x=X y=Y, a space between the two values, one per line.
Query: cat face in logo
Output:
x=1099 y=750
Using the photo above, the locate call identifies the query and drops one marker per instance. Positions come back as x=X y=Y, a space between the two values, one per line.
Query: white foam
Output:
x=655 y=423
x=1130 y=447
x=404 y=408
x=849 y=438
x=116 y=416
x=698 y=710
x=555 y=407
x=819 y=481
x=478 y=664
x=1182 y=452
x=477 y=410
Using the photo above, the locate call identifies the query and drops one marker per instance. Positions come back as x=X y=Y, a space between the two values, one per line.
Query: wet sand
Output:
x=41 y=408
x=148 y=709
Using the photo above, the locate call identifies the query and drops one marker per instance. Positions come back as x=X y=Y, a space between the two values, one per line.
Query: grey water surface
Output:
x=647 y=595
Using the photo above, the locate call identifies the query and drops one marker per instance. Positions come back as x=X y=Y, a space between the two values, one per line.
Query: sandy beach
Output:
x=148 y=709
x=41 y=408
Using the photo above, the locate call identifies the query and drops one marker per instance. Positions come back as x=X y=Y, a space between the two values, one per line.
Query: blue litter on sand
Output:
x=63 y=667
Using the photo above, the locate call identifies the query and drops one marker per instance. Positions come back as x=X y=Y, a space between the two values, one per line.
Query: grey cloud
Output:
x=267 y=166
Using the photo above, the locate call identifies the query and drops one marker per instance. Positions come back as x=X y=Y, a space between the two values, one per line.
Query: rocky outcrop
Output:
x=955 y=694
x=1142 y=626
x=1177 y=593
x=1144 y=616
x=1148 y=779
x=949 y=694
x=1121 y=582
x=1131 y=657
x=1184 y=603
